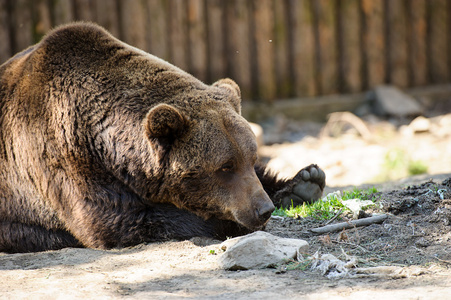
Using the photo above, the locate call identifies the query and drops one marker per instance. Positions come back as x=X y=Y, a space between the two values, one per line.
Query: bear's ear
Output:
x=231 y=86
x=165 y=122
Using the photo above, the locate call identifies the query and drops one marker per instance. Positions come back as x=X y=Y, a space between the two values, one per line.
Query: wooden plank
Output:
x=305 y=108
x=238 y=45
x=417 y=43
x=318 y=108
x=284 y=80
x=438 y=51
x=449 y=36
x=84 y=10
x=397 y=43
x=197 y=39
x=178 y=34
x=5 y=45
x=302 y=48
x=157 y=32
x=62 y=12
x=22 y=29
x=215 y=31
x=133 y=20
x=264 y=25
x=42 y=21
x=327 y=42
x=350 y=59
x=374 y=48
x=106 y=14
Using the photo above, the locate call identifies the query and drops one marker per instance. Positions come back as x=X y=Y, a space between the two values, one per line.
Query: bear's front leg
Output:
x=307 y=186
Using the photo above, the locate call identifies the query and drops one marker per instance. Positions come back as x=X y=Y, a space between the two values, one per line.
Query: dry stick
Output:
x=336 y=215
x=351 y=224
x=350 y=244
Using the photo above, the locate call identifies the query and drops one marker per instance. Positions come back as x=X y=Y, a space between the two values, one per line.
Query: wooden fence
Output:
x=273 y=48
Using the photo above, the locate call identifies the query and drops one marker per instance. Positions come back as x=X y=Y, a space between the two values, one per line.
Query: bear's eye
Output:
x=228 y=167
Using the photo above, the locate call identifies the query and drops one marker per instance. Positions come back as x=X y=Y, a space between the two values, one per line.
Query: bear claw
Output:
x=306 y=186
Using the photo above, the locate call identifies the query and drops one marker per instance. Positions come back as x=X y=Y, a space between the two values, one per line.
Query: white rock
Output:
x=355 y=205
x=259 y=250
x=420 y=124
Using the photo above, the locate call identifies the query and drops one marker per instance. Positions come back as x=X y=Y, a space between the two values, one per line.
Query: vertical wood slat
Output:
x=84 y=10
x=22 y=29
x=397 y=43
x=350 y=60
x=281 y=42
x=374 y=48
x=263 y=15
x=417 y=43
x=238 y=45
x=157 y=30
x=62 y=11
x=327 y=42
x=178 y=34
x=197 y=36
x=302 y=46
x=448 y=28
x=215 y=41
x=106 y=14
x=133 y=20
x=438 y=51
x=42 y=21
x=5 y=46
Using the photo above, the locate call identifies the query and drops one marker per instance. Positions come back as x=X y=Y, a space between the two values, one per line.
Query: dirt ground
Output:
x=415 y=238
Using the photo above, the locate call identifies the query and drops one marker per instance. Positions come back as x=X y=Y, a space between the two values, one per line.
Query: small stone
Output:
x=281 y=269
x=420 y=124
x=422 y=242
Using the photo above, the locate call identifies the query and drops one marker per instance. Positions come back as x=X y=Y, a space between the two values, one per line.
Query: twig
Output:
x=351 y=224
x=442 y=260
x=350 y=244
x=349 y=118
x=336 y=216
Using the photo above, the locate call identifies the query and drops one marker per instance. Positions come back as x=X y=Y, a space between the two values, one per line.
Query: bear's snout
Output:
x=264 y=212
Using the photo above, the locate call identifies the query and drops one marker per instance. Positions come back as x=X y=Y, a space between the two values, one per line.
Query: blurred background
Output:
x=361 y=87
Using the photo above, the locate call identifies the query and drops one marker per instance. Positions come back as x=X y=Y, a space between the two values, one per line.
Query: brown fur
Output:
x=103 y=145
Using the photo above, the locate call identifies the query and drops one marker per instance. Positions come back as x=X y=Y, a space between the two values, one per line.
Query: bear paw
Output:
x=306 y=186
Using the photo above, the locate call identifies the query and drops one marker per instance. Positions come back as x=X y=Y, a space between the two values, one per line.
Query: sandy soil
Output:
x=416 y=237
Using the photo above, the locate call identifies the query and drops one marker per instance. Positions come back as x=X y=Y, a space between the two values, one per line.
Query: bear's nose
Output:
x=265 y=211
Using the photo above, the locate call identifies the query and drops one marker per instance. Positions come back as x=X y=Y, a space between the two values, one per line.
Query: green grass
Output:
x=327 y=207
x=417 y=167
x=367 y=194
x=398 y=164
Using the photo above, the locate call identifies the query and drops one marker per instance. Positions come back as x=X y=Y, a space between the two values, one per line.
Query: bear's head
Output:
x=162 y=132
x=209 y=152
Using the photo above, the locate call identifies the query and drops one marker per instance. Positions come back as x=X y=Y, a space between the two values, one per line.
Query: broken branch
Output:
x=351 y=224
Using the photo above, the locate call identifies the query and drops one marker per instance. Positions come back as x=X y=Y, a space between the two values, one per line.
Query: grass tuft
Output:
x=327 y=207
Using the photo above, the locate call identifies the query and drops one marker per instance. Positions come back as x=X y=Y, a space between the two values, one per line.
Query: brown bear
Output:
x=103 y=145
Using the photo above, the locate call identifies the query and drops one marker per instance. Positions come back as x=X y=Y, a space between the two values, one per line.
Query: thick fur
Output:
x=103 y=145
